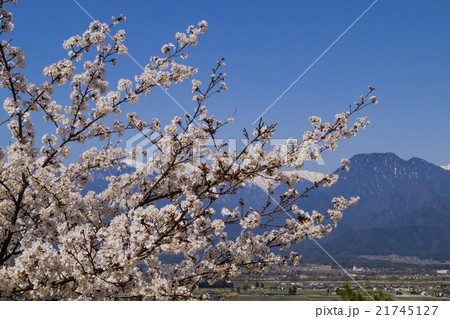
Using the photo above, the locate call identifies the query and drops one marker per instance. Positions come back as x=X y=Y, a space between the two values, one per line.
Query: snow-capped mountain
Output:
x=404 y=207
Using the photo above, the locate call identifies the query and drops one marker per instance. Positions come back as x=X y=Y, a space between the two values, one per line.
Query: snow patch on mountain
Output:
x=259 y=180
x=313 y=177
x=447 y=167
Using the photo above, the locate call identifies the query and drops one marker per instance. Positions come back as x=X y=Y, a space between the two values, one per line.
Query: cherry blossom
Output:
x=61 y=241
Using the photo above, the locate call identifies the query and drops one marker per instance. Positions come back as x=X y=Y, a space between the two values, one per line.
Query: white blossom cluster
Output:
x=61 y=242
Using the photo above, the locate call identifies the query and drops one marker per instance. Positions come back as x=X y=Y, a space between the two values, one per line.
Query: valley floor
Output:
x=321 y=282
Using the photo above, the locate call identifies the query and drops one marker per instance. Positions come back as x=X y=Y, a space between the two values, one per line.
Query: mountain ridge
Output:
x=394 y=194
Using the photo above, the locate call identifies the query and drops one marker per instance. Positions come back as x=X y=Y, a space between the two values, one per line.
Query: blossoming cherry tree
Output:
x=59 y=241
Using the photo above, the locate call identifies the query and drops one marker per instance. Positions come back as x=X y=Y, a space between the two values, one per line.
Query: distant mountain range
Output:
x=404 y=207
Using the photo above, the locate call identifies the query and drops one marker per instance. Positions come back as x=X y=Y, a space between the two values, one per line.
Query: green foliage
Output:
x=348 y=294
x=380 y=296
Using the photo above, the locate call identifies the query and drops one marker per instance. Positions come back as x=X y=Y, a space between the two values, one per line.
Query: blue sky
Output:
x=401 y=47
